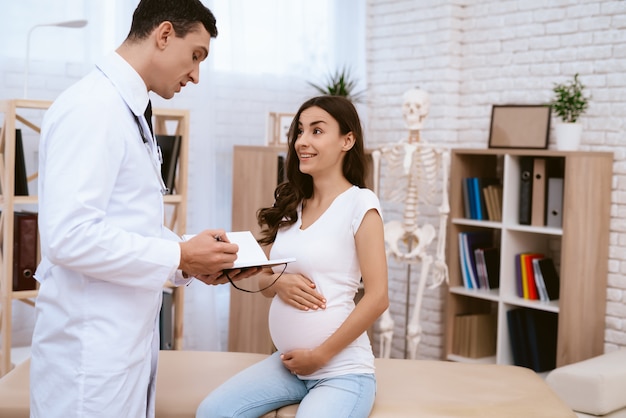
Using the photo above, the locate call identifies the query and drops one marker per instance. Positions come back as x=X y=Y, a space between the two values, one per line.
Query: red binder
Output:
x=25 y=245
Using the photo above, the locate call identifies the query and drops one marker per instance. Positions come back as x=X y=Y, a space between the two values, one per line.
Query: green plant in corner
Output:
x=340 y=83
x=569 y=102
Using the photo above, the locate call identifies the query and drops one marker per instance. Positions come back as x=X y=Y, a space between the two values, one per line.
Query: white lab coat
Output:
x=104 y=256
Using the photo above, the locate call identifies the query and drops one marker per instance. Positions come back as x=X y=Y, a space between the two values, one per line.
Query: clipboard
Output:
x=250 y=253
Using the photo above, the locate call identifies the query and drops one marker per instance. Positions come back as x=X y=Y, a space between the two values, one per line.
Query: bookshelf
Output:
x=27 y=115
x=579 y=248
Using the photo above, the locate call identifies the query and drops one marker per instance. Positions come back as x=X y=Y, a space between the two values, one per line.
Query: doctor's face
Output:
x=180 y=61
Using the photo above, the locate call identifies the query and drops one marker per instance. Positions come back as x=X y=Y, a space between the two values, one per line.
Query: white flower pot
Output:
x=568 y=136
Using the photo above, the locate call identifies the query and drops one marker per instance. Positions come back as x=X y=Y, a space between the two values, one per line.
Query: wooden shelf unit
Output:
x=166 y=121
x=581 y=249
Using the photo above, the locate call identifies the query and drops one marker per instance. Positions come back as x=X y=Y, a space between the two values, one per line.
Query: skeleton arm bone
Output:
x=441 y=269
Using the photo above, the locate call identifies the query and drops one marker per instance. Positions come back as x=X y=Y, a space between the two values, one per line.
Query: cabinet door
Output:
x=255 y=176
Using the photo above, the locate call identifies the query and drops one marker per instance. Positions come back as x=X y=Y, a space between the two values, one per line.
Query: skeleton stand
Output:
x=419 y=164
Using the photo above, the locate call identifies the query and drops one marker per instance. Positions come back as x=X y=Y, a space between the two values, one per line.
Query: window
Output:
x=273 y=36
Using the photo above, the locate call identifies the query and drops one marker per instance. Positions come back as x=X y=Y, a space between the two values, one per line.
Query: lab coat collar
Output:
x=127 y=81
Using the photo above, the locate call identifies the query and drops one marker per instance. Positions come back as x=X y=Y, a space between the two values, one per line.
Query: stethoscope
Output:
x=147 y=141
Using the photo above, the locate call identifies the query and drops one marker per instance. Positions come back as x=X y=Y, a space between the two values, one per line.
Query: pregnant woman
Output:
x=325 y=218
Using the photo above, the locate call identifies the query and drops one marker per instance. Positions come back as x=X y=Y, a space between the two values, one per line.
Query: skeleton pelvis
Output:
x=416 y=241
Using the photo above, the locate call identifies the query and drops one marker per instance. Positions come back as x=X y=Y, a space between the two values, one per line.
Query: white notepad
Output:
x=250 y=253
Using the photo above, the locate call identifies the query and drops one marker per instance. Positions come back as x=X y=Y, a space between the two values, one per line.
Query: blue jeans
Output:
x=268 y=385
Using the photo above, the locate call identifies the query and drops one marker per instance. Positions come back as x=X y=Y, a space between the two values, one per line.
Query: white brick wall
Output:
x=475 y=53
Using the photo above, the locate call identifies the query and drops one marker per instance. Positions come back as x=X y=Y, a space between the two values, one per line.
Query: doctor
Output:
x=105 y=252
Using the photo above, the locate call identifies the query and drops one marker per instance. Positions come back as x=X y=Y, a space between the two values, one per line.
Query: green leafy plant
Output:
x=340 y=83
x=569 y=102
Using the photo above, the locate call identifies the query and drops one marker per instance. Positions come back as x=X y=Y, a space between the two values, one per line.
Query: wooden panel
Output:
x=255 y=176
x=584 y=254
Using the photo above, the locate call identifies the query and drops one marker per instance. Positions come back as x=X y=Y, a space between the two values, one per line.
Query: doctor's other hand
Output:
x=233 y=274
x=207 y=253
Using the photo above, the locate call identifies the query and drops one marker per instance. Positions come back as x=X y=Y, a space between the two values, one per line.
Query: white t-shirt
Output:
x=325 y=252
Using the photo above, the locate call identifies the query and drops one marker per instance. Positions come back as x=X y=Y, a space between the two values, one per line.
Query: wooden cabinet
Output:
x=255 y=176
x=27 y=115
x=579 y=248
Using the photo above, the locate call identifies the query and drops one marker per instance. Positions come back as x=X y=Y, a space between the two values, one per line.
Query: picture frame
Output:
x=520 y=126
x=278 y=128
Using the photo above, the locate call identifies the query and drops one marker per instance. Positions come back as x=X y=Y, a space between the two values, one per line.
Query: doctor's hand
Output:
x=207 y=254
x=234 y=274
x=299 y=292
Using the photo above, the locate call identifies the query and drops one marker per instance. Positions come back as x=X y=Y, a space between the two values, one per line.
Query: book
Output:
x=487 y=198
x=479 y=185
x=481 y=270
x=538 y=200
x=475 y=204
x=533 y=338
x=550 y=277
x=496 y=190
x=467 y=282
x=470 y=242
x=475 y=335
x=470 y=197
x=541 y=286
x=466 y=199
x=489 y=204
x=492 y=266
x=541 y=334
x=488 y=267
x=519 y=287
x=516 y=321
x=250 y=253
x=528 y=276
x=525 y=190
x=170 y=150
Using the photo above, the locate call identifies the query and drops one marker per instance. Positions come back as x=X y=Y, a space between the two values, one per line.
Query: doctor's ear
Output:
x=163 y=32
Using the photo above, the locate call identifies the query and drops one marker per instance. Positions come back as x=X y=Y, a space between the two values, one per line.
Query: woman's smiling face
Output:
x=320 y=144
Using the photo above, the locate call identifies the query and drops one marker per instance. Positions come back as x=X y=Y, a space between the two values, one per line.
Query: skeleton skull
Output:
x=415 y=108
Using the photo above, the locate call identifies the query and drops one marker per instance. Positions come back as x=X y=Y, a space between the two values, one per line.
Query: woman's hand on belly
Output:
x=303 y=361
x=299 y=291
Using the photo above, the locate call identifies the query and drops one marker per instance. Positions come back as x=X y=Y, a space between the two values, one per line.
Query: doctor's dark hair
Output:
x=298 y=185
x=183 y=14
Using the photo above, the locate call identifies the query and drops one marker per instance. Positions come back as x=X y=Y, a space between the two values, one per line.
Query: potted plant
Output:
x=569 y=103
x=340 y=83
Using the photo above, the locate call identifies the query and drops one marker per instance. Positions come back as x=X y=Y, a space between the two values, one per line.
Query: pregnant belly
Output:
x=293 y=328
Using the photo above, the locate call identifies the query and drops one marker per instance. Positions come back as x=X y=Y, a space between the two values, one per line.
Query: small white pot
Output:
x=568 y=136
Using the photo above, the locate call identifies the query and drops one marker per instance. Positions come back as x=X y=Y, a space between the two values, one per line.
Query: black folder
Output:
x=516 y=320
x=166 y=328
x=21 y=180
x=170 y=149
x=550 y=277
x=525 y=190
x=25 y=247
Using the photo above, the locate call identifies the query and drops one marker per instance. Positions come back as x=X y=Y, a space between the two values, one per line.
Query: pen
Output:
x=218 y=238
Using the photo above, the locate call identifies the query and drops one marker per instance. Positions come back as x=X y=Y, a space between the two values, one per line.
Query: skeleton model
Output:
x=412 y=169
